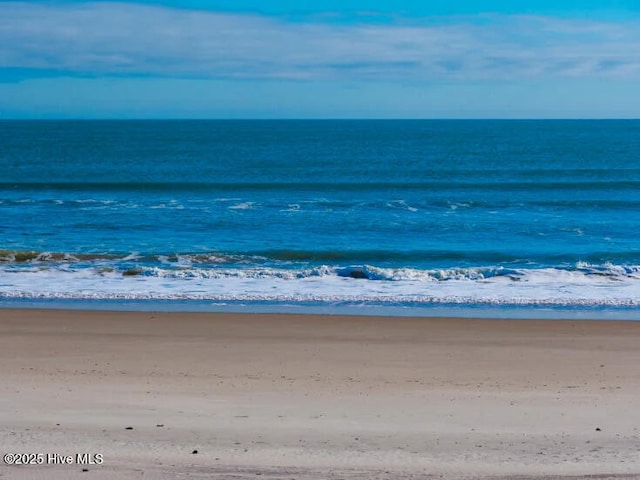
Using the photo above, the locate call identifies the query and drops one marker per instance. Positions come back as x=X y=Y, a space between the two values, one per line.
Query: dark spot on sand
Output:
x=598 y=429
x=85 y=469
x=128 y=428
x=160 y=425
x=194 y=452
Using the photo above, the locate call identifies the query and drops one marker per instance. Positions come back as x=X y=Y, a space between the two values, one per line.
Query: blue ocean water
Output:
x=357 y=213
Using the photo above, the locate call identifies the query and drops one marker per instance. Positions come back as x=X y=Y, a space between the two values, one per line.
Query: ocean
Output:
x=408 y=216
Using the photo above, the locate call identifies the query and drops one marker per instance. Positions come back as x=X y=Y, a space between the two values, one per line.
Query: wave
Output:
x=255 y=257
x=582 y=271
x=582 y=284
x=31 y=256
x=415 y=208
x=179 y=266
x=365 y=263
x=428 y=185
x=46 y=257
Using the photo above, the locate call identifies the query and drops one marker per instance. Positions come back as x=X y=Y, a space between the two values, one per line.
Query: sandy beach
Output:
x=181 y=395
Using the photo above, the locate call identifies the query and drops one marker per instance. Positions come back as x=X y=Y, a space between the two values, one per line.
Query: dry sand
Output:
x=318 y=397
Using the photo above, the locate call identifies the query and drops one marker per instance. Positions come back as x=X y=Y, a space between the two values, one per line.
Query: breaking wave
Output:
x=227 y=279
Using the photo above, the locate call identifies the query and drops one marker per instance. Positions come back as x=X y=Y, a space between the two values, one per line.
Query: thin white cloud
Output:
x=125 y=38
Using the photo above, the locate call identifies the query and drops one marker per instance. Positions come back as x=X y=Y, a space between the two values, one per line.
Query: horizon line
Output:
x=299 y=119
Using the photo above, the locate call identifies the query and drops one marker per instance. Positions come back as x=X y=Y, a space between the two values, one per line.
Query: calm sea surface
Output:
x=356 y=213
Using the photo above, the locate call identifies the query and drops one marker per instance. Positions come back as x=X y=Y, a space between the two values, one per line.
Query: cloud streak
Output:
x=131 y=39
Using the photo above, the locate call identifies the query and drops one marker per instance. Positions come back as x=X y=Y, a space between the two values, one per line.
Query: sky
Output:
x=320 y=59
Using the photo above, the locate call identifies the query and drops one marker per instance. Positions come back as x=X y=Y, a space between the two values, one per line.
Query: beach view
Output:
x=360 y=241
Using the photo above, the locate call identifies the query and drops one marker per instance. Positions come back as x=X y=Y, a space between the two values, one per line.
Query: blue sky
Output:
x=320 y=59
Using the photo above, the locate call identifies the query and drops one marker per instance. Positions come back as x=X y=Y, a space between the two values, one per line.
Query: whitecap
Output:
x=242 y=206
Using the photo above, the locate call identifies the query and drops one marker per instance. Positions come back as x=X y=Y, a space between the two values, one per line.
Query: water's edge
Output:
x=439 y=311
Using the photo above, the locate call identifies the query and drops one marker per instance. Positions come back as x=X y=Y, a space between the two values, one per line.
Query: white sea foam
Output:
x=242 y=206
x=585 y=285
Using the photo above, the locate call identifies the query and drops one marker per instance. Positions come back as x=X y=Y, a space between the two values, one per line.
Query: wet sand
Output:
x=317 y=397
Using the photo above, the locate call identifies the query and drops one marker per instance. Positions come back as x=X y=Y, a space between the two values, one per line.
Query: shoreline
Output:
x=303 y=395
x=472 y=311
